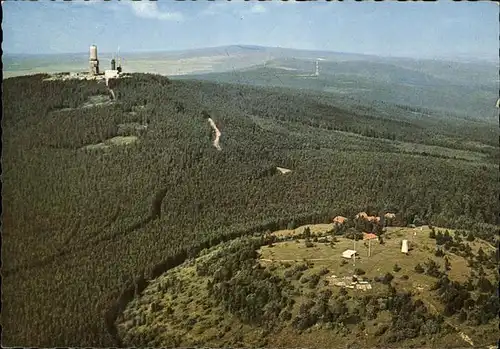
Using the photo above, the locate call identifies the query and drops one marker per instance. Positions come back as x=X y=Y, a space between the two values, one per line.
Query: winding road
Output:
x=217 y=134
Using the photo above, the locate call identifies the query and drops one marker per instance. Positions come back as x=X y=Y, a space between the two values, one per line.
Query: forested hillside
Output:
x=465 y=90
x=80 y=226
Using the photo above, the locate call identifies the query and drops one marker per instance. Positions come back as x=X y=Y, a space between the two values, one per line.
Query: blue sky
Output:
x=444 y=29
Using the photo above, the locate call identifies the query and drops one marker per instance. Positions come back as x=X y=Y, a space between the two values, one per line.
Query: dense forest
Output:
x=81 y=226
x=443 y=87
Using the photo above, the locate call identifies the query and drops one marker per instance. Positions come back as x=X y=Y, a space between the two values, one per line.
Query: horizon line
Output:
x=458 y=59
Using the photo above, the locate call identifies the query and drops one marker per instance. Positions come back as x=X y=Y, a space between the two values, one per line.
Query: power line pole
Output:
x=354 y=252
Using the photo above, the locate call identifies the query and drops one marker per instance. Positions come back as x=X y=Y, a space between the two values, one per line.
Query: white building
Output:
x=404 y=246
x=349 y=254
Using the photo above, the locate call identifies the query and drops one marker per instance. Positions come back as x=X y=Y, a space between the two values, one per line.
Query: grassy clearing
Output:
x=98 y=100
x=433 y=150
x=382 y=259
x=315 y=230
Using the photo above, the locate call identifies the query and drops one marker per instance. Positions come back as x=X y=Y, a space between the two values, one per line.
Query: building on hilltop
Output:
x=349 y=254
x=110 y=75
x=339 y=220
x=404 y=246
x=369 y=236
x=93 y=61
x=366 y=217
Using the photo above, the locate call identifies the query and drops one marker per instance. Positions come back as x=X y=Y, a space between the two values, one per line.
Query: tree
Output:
x=307 y=232
x=432 y=234
x=359 y=271
x=417 y=221
x=313 y=282
x=440 y=238
x=447 y=237
x=432 y=268
x=484 y=285
x=481 y=256
x=387 y=278
x=419 y=269
x=470 y=237
x=447 y=264
x=380 y=240
x=378 y=228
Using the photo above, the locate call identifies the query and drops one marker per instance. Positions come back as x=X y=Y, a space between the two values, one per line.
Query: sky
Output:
x=444 y=29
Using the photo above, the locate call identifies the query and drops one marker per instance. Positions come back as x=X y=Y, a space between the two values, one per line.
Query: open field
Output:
x=382 y=257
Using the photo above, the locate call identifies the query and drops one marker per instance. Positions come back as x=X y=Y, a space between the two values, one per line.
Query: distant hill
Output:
x=466 y=90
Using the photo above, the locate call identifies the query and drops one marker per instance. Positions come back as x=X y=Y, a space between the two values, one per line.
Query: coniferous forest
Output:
x=84 y=228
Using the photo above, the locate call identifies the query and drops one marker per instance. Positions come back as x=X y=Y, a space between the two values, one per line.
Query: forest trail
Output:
x=462 y=335
x=466 y=338
x=217 y=134
x=296 y=260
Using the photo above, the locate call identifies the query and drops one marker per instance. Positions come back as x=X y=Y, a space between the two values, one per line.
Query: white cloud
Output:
x=234 y=8
x=214 y=9
x=281 y=2
x=149 y=9
x=258 y=9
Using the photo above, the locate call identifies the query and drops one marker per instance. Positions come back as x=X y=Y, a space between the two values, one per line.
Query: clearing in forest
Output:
x=115 y=141
x=283 y=170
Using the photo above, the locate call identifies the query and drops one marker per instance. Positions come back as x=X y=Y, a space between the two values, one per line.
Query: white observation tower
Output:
x=93 y=61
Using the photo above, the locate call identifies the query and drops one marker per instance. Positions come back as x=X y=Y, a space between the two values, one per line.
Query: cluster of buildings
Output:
x=339 y=220
x=351 y=254
x=94 y=72
x=109 y=74
x=350 y=282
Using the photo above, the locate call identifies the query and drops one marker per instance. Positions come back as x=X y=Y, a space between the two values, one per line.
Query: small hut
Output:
x=349 y=254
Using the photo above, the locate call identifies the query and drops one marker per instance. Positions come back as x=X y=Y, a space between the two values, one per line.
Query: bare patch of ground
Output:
x=284 y=68
x=315 y=229
x=283 y=170
x=96 y=101
x=115 y=141
x=130 y=127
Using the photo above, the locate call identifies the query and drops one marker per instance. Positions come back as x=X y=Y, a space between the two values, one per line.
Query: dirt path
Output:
x=293 y=260
x=217 y=134
x=462 y=335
